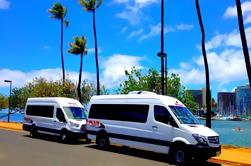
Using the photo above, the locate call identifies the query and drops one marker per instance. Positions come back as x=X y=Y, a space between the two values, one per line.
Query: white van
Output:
x=60 y=116
x=152 y=122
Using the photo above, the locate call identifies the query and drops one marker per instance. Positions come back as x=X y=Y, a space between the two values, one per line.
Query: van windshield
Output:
x=184 y=115
x=75 y=112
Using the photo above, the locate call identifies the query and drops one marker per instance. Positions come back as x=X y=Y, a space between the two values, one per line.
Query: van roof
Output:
x=163 y=99
x=64 y=101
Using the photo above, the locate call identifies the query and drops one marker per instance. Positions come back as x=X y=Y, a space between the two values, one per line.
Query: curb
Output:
x=11 y=126
x=221 y=161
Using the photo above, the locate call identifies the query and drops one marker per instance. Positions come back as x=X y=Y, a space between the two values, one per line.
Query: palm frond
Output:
x=99 y=3
x=58 y=11
x=89 y=5
x=78 y=46
x=66 y=22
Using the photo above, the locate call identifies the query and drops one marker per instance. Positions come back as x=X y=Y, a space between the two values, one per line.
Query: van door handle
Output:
x=155 y=128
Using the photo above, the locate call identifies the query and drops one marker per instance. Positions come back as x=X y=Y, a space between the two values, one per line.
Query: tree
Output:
x=243 y=40
x=208 y=92
x=3 y=102
x=91 y=6
x=151 y=81
x=58 y=11
x=19 y=97
x=79 y=48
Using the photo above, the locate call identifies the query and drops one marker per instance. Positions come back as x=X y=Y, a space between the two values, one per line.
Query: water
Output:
x=17 y=117
x=226 y=129
x=228 y=133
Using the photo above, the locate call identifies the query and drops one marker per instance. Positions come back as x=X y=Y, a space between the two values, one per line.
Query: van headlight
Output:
x=74 y=124
x=200 y=139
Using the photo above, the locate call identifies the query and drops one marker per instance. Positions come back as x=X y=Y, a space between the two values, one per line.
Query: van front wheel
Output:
x=33 y=132
x=180 y=155
x=103 y=141
x=64 y=136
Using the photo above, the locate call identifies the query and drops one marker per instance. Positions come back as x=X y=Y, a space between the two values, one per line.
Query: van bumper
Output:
x=27 y=127
x=204 y=152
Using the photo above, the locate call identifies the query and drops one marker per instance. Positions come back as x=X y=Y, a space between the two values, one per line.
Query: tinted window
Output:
x=75 y=112
x=60 y=115
x=184 y=115
x=39 y=110
x=120 y=112
x=161 y=114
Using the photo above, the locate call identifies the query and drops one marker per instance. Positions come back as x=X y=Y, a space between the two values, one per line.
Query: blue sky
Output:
x=128 y=34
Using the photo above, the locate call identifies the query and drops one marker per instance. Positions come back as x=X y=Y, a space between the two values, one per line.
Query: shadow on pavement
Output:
x=148 y=155
x=53 y=138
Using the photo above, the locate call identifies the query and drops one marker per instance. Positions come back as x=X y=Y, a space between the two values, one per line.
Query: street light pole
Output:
x=161 y=54
x=9 y=81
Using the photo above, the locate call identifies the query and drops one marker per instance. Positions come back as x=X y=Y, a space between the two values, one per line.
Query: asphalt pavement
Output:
x=19 y=149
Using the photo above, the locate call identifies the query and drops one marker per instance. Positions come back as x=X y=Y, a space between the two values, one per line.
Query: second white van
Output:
x=60 y=116
x=152 y=122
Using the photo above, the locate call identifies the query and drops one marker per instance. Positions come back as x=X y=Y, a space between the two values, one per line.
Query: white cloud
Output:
x=20 y=78
x=144 y=3
x=121 y=1
x=133 y=9
x=124 y=29
x=92 y=50
x=46 y=47
x=4 y=4
x=135 y=33
x=115 y=66
x=131 y=14
x=189 y=75
x=224 y=67
x=215 y=42
x=185 y=27
x=154 y=31
x=232 y=39
x=231 y=12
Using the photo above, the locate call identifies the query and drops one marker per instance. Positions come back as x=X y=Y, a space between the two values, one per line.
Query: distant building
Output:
x=199 y=96
x=226 y=103
x=243 y=100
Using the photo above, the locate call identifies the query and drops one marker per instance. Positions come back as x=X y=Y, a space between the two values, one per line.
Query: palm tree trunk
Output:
x=96 y=53
x=208 y=92
x=243 y=40
x=80 y=78
x=61 y=49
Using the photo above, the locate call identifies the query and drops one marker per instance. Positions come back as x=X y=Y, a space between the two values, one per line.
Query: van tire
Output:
x=33 y=132
x=179 y=154
x=102 y=141
x=64 y=136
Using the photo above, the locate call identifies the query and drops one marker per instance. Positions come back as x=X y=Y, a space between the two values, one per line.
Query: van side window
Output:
x=60 y=115
x=40 y=110
x=161 y=114
x=120 y=112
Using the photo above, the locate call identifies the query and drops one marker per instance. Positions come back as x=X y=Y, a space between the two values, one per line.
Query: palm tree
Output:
x=91 y=6
x=243 y=40
x=58 y=12
x=78 y=47
x=208 y=92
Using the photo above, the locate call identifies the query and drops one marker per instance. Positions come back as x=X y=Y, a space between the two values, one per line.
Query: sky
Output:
x=128 y=34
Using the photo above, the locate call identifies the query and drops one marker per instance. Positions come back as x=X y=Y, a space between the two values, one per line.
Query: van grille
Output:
x=213 y=140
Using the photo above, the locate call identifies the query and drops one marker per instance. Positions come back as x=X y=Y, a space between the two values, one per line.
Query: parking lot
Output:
x=18 y=148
